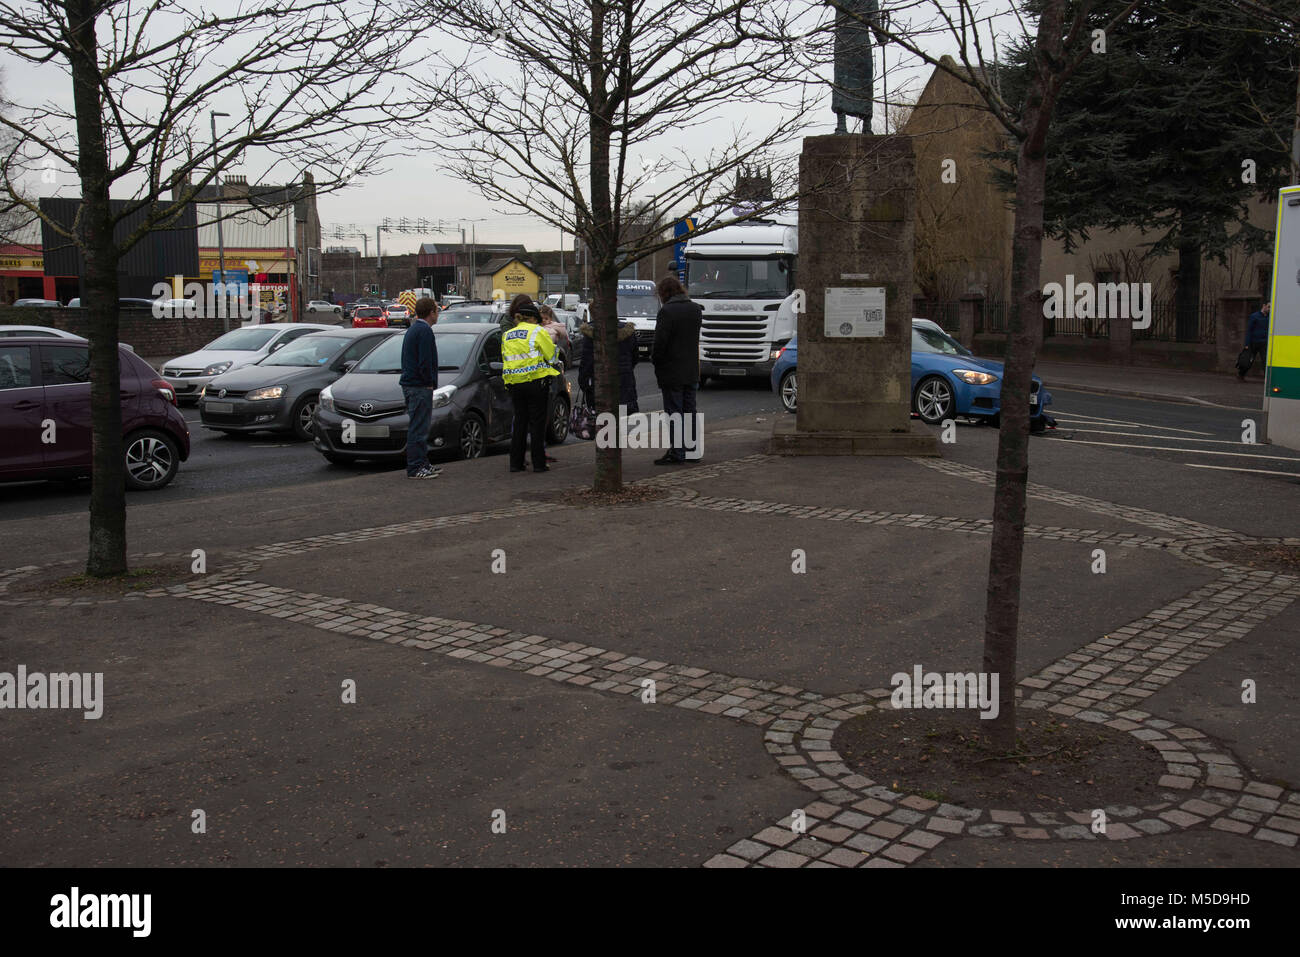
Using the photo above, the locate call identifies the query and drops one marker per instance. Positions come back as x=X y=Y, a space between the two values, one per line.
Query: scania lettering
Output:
x=743 y=276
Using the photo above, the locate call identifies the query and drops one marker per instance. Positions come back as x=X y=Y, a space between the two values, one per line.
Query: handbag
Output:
x=1244 y=360
x=582 y=420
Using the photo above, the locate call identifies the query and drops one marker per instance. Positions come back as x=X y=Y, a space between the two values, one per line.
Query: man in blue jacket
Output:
x=1256 y=339
x=419 y=379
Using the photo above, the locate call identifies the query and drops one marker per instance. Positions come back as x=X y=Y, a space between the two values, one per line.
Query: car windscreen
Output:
x=310 y=350
x=928 y=340
x=638 y=307
x=468 y=314
x=242 y=340
x=738 y=278
x=453 y=353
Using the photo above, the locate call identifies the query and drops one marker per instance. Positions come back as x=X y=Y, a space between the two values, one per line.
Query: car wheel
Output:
x=789 y=391
x=558 y=430
x=473 y=437
x=152 y=458
x=933 y=400
x=301 y=416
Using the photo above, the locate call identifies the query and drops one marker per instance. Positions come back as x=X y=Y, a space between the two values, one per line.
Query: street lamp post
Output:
x=221 y=241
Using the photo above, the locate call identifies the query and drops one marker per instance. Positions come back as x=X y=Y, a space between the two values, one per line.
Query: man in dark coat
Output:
x=1256 y=339
x=676 y=358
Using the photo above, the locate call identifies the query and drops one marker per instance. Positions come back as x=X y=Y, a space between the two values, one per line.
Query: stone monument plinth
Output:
x=855 y=330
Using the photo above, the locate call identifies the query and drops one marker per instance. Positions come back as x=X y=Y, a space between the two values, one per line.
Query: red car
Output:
x=369 y=316
x=45 y=415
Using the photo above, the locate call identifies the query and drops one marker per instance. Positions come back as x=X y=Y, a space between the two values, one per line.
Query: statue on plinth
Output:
x=854 y=70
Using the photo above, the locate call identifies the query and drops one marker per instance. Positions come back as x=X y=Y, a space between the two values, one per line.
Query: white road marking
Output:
x=1076 y=417
x=1230 y=468
x=1167 y=438
x=1161 y=448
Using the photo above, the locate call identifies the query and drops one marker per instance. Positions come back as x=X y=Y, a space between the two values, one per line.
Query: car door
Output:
x=501 y=411
x=22 y=402
x=65 y=378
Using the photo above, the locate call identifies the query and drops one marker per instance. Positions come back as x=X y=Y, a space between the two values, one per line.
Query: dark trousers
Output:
x=682 y=402
x=530 y=400
x=419 y=408
x=1256 y=349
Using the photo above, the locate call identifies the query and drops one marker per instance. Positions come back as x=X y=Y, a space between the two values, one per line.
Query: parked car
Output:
x=188 y=374
x=471 y=407
x=948 y=380
x=47 y=379
x=320 y=305
x=126 y=302
x=398 y=315
x=279 y=393
x=45 y=332
x=369 y=317
x=39 y=303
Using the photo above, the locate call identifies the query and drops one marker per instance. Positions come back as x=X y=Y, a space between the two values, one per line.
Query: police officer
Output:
x=527 y=351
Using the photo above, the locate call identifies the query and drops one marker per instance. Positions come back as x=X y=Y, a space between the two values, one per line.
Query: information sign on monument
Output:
x=855 y=312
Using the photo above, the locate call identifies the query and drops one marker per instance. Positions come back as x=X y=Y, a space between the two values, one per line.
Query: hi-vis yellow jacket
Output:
x=526 y=352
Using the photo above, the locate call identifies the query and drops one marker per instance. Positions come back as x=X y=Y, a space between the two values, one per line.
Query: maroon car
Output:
x=45 y=414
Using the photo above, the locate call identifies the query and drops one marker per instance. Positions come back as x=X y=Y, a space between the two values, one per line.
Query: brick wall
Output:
x=150 y=337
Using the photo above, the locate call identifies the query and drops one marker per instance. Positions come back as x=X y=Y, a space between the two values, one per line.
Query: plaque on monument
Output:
x=855 y=312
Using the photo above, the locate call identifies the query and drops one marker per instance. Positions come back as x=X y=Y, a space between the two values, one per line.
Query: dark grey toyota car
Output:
x=363 y=415
x=279 y=393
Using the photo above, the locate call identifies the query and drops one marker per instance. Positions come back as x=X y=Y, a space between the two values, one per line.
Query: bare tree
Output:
x=306 y=81
x=578 y=111
x=1061 y=34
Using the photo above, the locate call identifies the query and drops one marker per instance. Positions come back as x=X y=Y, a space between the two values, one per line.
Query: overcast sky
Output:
x=414 y=187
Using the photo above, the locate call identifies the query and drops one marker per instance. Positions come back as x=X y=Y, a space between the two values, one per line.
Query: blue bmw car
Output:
x=948 y=380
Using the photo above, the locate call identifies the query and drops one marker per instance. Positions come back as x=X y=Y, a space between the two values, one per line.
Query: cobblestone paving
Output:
x=853 y=821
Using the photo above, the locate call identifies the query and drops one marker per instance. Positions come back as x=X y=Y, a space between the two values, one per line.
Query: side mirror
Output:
x=278 y=346
x=496 y=368
x=347 y=366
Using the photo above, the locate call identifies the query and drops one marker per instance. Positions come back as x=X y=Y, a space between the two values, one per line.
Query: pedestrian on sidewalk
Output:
x=676 y=356
x=528 y=352
x=419 y=379
x=628 y=356
x=1256 y=340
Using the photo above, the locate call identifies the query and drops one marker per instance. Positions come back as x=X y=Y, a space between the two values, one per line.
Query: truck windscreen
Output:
x=738 y=278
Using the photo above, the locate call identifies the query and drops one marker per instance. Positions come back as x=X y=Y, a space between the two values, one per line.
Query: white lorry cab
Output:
x=638 y=303
x=743 y=276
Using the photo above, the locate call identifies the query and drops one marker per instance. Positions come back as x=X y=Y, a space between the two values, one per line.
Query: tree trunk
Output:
x=1187 y=292
x=107 y=552
x=603 y=245
x=1024 y=335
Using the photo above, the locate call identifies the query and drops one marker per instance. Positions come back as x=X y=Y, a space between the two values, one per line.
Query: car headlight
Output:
x=270 y=392
x=974 y=377
x=443 y=396
x=326 y=399
x=217 y=368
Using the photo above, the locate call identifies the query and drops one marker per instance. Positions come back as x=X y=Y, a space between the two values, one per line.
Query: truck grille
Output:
x=725 y=337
